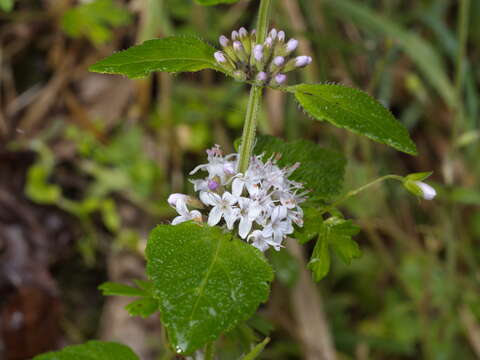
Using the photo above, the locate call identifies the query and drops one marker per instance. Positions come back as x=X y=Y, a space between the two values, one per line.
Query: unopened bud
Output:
x=240 y=75
x=242 y=33
x=234 y=35
x=223 y=40
x=220 y=57
x=291 y=46
x=279 y=79
x=240 y=51
x=273 y=34
x=420 y=189
x=302 y=61
x=281 y=36
x=268 y=42
x=258 y=52
x=277 y=64
x=262 y=76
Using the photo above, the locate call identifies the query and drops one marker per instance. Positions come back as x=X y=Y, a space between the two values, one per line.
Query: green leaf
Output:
x=95 y=20
x=171 y=54
x=356 y=111
x=336 y=233
x=92 y=350
x=143 y=307
x=312 y=225
x=6 y=5
x=422 y=53
x=205 y=281
x=320 y=260
x=215 y=2
x=252 y=355
x=419 y=176
x=321 y=170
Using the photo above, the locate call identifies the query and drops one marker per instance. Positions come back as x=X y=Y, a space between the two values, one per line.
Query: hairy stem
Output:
x=361 y=189
x=251 y=118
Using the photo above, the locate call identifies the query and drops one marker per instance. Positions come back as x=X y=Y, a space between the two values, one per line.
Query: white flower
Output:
x=185 y=214
x=249 y=211
x=259 y=241
x=175 y=199
x=279 y=226
x=222 y=207
x=428 y=192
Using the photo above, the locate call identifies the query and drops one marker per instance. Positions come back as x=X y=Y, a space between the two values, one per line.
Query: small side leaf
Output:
x=356 y=111
x=312 y=225
x=92 y=350
x=116 y=289
x=205 y=282
x=321 y=170
x=335 y=233
x=171 y=54
x=143 y=307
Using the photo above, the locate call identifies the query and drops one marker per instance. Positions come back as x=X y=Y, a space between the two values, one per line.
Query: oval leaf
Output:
x=171 y=54
x=205 y=282
x=92 y=350
x=356 y=111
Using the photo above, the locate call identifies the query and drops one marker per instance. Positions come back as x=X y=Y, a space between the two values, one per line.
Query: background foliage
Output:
x=88 y=160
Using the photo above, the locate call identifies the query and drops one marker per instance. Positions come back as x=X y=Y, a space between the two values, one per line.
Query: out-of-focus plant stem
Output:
x=251 y=118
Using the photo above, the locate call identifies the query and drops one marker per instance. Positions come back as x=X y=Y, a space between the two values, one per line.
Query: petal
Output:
x=178 y=220
x=208 y=198
x=199 y=167
x=244 y=227
x=229 y=198
x=214 y=216
x=182 y=208
x=237 y=186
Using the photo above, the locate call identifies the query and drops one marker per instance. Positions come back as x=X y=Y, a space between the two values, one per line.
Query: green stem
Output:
x=209 y=351
x=251 y=118
x=355 y=192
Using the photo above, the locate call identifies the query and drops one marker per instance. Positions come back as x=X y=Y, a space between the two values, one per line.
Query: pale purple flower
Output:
x=175 y=199
x=280 y=78
x=279 y=60
x=249 y=211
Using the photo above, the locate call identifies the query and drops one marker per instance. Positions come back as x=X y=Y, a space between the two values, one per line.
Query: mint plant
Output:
x=207 y=270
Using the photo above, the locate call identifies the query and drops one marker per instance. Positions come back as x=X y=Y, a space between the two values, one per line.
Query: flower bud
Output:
x=291 y=46
x=242 y=33
x=273 y=34
x=223 y=40
x=220 y=57
x=277 y=64
x=281 y=36
x=240 y=51
x=302 y=61
x=262 y=76
x=234 y=35
x=258 y=52
x=420 y=189
x=279 y=79
x=240 y=75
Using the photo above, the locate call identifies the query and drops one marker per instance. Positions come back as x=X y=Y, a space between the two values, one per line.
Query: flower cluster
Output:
x=263 y=201
x=265 y=63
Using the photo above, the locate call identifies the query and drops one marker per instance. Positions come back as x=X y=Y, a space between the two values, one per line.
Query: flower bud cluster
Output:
x=262 y=205
x=265 y=63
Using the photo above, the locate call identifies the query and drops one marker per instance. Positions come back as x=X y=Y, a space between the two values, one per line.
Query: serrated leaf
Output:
x=171 y=54
x=215 y=2
x=143 y=307
x=205 y=281
x=321 y=170
x=420 y=51
x=336 y=233
x=320 y=260
x=95 y=20
x=92 y=350
x=116 y=289
x=6 y=5
x=356 y=111
x=312 y=225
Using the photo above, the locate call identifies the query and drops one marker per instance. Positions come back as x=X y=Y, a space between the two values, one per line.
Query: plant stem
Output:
x=209 y=351
x=360 y=189
x=251 y=118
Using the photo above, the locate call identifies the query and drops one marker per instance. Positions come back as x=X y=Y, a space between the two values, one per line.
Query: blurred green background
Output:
x=87 y=161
